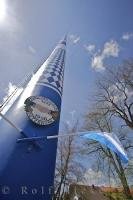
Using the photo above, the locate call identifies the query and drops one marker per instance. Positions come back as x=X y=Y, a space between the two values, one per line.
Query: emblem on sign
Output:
x=41 y=110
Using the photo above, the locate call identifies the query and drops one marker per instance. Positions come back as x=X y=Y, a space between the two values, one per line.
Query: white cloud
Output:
x=97 y=62
x=127 y=36
x=32 y=50
x=11 y=88
x=90 y=48
x=12 y=94
x=74 y=38
x=110 y=49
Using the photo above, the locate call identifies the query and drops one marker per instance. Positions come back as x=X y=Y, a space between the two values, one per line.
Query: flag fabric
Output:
x=109 y=140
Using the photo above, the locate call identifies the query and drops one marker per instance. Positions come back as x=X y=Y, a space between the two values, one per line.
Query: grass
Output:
x=115 y=195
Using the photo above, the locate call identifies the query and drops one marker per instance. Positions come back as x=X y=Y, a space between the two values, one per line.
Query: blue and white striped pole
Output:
x=27 y=168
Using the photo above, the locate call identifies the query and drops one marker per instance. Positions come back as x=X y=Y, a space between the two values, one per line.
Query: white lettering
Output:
x=34 y=191
x=24 y=190
x=42 y=190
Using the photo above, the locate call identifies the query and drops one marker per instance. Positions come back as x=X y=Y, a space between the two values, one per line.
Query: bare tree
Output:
x=109 y=161
x=68 y=169
x=115 y=92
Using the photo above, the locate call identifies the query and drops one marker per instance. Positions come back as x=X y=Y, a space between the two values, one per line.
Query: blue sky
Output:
x=100 y=32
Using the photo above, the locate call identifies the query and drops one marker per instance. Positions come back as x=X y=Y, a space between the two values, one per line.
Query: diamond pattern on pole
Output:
x=53 y=75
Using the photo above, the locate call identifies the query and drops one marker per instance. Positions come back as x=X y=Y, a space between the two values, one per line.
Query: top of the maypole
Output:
x=65 y=37
x=63 y=40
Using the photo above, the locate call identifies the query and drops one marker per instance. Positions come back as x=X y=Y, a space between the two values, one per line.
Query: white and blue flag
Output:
x=110 y=140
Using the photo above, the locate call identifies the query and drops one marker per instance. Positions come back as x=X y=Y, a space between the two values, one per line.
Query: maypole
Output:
x=27 y=168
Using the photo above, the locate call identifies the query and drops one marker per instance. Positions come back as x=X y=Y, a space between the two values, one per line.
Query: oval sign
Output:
x=41 y=110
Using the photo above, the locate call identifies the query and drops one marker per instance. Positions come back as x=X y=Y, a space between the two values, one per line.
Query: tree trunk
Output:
x=123 y=179
x=126 y=187
x=57 y=194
